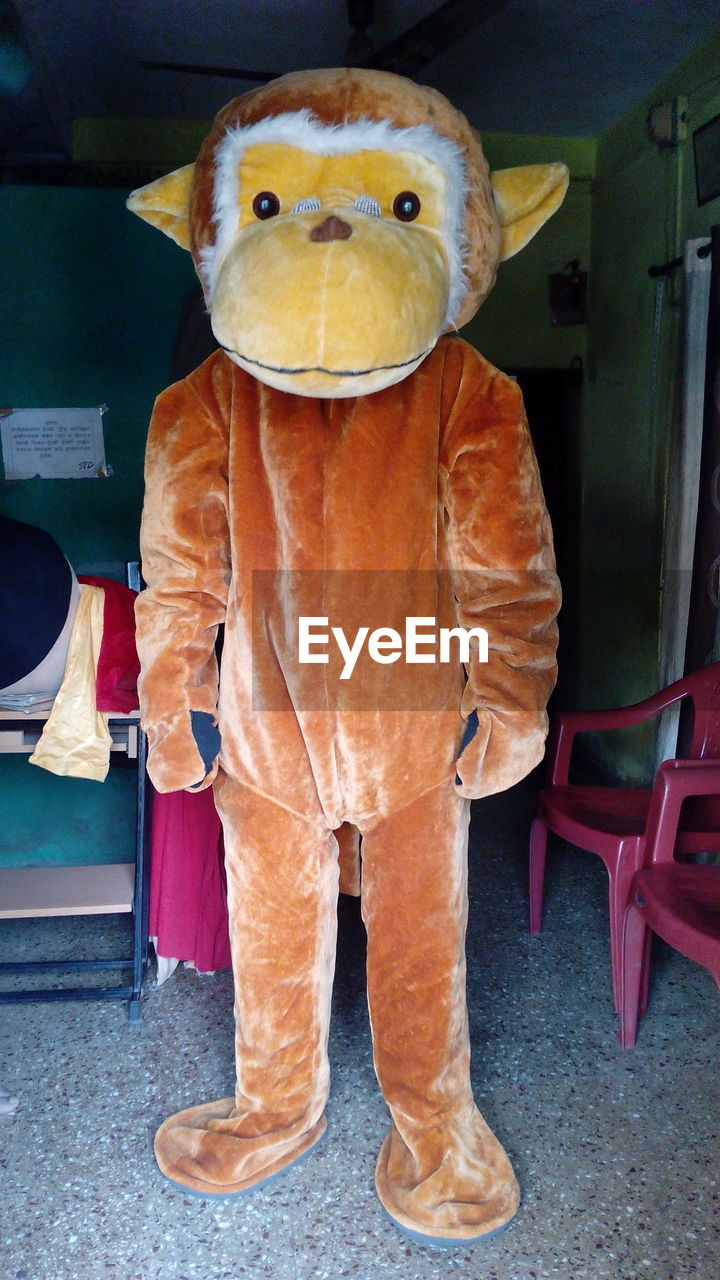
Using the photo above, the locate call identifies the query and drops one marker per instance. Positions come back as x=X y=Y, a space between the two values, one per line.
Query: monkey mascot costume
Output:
x=340 y=464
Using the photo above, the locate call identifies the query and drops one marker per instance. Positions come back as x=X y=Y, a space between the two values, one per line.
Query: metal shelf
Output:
x=83 y=890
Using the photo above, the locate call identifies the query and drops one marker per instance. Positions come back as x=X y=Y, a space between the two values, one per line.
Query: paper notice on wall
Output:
x=58 y=444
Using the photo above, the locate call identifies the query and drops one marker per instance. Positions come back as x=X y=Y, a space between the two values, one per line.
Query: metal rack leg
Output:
x=142 y=880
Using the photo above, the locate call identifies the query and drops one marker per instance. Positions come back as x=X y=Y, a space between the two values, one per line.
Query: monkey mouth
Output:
x=333 y=373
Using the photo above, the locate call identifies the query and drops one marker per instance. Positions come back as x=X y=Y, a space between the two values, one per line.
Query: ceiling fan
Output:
x=406 y=55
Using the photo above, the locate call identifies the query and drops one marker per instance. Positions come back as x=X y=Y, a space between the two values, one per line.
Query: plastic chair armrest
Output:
x=674 y=782
x=567 y=724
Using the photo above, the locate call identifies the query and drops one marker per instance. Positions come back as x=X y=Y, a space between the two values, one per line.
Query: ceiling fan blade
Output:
x=232 y=73
x=406 y=55
x=360 y=46
x=410 y=52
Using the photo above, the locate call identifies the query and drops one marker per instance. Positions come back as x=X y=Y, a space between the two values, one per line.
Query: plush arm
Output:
x=503 y=567
x=185 y=561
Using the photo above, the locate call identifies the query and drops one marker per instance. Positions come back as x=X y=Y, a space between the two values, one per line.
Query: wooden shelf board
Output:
x=66 y=891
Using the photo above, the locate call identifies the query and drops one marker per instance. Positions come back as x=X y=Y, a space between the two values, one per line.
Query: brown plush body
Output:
x=228 y=460
x=263 y=506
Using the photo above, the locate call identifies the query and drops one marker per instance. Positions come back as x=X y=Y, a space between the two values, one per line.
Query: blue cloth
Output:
x=207 y=737
x=471 y=729
x=35 y=591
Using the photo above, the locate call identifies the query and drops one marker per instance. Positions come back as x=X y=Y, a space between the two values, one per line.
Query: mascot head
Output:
x=339 y=222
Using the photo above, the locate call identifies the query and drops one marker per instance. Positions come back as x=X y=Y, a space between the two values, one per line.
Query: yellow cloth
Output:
x=76 y=740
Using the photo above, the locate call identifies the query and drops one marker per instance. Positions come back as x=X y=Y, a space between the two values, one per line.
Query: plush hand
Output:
x=183 y=752
x=495 y=754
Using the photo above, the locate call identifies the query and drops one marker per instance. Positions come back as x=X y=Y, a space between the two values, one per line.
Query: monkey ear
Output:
x=525 y=198
x=165 y=204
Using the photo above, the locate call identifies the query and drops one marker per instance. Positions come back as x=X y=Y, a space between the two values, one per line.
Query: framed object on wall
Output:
x=706 y=145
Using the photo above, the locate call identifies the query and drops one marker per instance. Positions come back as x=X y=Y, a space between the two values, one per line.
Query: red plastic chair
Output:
x=680 y=902
x=612 y=821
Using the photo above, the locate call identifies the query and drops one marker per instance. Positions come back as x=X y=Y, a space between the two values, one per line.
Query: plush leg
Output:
x=282 y=877
x=441 y=1172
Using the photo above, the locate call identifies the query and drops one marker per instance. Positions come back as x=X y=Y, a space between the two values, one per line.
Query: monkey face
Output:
x=340 y=220
x=333 y=278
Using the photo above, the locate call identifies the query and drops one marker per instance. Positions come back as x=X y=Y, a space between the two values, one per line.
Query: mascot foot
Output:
x=461 y=1200
x=204 y=1150
x=446 y=1242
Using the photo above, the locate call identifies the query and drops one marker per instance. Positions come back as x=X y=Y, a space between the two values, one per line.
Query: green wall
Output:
x=643 y=209
x=90 y=298
x=512 y=328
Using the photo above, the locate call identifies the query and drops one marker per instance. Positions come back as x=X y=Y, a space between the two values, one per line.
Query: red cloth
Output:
x=118 y=665
x=188 y=906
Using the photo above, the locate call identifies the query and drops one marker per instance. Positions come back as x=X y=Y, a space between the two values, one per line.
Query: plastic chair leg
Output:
x=620 y=879
x=645 y=977
x=634 y=947
x=538 y=848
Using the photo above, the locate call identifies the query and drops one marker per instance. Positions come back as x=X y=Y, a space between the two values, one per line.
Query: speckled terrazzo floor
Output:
x=616 y=1152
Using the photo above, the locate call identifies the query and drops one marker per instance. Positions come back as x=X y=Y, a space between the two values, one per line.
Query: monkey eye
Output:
x=406 y=206
x=265 y=204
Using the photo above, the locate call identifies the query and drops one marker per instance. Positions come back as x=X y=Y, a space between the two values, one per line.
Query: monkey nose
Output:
x=332 y=228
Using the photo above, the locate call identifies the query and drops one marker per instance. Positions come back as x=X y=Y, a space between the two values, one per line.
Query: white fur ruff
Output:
x=301 y=129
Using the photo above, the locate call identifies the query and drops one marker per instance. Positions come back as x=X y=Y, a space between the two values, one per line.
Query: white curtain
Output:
x=683 y=483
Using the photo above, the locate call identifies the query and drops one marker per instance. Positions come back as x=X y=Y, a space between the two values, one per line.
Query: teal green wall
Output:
x=90 y=299
x=643 y=209
x=52 y=821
